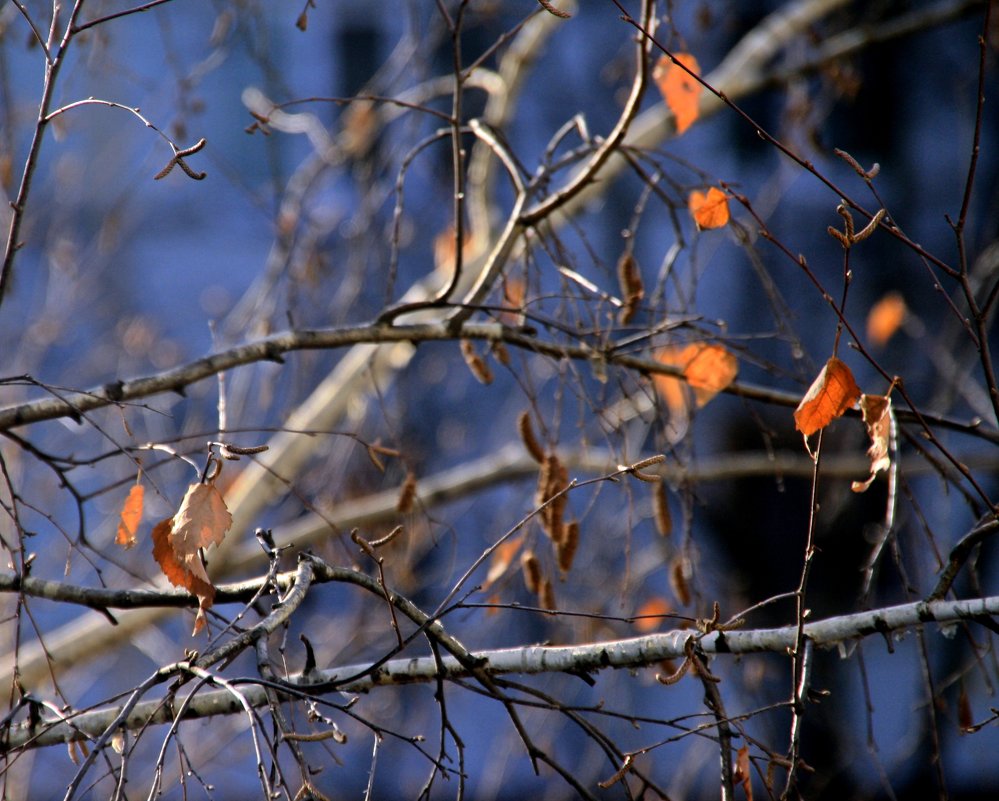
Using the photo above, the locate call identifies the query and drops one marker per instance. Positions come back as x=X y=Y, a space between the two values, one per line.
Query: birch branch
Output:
x=630 y=653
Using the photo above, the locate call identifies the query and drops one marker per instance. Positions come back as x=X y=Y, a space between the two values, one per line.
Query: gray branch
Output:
x=634 y=652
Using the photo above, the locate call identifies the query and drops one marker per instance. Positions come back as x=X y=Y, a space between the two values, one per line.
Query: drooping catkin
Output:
x=531 y=444
x=660 y=510
x=407 y=494
x=678 y=579
x=632 y=290
x=553 y=478
x=483 y=374
x=546 y=595
x=530 y=567
x=565 y=550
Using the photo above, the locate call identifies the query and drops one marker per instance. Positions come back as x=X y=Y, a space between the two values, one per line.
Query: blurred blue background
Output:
x=122 y=276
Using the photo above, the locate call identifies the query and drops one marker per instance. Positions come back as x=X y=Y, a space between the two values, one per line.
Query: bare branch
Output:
x=528 y=659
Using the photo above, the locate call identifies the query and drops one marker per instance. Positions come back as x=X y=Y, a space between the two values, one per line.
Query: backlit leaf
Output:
x=832 y=393
x=708 y=369
x=187 y=573
x=501 y=559
x=131 y=516
x=885 y=318
x=709 y=209
x=201 y=521
x=742 y=773
x=648 y=617
x=877 y=414
x=679 y=89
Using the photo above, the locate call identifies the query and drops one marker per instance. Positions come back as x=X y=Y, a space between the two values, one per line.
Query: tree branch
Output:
x=627 y=653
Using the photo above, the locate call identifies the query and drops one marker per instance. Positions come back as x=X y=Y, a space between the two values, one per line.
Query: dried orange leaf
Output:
x=131 y=516
x=832 y=393
x=885 y=318
x=742 y=773
x=202 y=520
x=709 y=209
x=708 y=369
x=648 y=615
x=679 y=89
x=183 y=572
x=877 y=414
x=501 y=559
x=514 y=295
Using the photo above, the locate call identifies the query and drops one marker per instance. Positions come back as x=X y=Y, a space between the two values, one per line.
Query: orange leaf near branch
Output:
x=708 y=370
x=679 y=89
x=131 y=516
x=742 y=774
x=885 y=318
x=202 y=520
x=501 y=559
x=878 y=417
x=832 y=392
x=709 y=209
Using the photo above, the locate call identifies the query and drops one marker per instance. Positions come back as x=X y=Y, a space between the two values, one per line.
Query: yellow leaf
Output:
x=131 y=516
x=710 y=210
x=832 y=392
x=679 y=89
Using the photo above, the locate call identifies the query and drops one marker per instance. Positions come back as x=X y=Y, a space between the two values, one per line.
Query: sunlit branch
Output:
x=627 y=653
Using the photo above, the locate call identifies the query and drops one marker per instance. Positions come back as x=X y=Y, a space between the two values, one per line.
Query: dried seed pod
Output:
x=407 y=494
x=500 y=353
x=565 y=549
x=531 y=569
x=476 y=363
x=660 y=510
x=552 y=480
x=546 y=595
x=531 y=444
x=632 y=290
x=678 y=579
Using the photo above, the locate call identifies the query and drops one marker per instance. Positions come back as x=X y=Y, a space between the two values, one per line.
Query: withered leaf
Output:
x=877 y=414
x=131 y=516
x=501 y=559
x=833 y=391
x=710 y=209
x=680 y=91
x=201 y=521
x=885 y=318
x=708 y=368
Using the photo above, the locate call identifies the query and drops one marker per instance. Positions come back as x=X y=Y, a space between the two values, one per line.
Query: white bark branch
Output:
x=633 y=652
